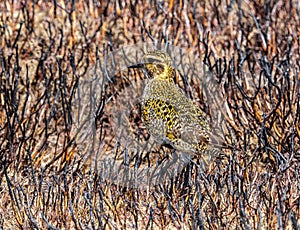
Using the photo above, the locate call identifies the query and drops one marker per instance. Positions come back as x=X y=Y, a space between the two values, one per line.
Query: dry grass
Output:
x=49 y=180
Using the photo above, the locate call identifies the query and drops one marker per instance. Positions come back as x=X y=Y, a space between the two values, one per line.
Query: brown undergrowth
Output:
x=49 y=180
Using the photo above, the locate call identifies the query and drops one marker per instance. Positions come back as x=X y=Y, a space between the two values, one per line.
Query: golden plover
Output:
x=169 y=115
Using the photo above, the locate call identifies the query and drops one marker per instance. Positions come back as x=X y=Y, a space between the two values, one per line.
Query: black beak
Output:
x=138 y=65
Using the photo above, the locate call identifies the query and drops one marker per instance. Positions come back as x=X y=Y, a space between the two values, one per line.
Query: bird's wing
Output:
x=160 y=118
x=167 y=124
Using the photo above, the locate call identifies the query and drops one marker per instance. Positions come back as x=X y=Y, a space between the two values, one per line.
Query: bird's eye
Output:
x=151 y=60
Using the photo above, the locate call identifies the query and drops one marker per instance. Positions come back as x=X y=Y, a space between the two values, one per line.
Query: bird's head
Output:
x=156 y=64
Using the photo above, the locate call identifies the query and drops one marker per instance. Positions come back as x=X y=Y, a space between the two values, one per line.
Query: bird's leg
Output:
x=166 y=170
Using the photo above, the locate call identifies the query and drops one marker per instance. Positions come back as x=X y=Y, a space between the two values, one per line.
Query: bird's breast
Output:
x=162 y=90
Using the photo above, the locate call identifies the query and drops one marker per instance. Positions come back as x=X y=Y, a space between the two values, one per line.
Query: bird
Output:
x=171 y=118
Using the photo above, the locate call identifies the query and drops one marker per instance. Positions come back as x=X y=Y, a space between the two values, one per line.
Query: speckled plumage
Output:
x=168 y=114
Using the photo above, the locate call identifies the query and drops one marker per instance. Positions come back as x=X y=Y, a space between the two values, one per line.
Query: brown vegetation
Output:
x=49 y=180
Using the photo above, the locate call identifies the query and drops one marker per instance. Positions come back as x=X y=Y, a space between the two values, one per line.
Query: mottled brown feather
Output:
x=169 y=115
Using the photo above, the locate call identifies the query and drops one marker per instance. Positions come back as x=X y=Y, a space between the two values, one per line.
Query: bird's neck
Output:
x=166 y=75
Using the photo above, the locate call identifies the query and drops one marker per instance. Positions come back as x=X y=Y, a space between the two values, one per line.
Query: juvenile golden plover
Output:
x=169 y=115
